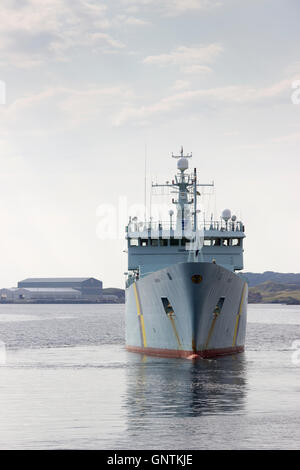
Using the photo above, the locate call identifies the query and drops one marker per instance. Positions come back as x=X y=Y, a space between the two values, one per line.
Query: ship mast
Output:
x=183 y=183
x=183 y=213
x=195 y=199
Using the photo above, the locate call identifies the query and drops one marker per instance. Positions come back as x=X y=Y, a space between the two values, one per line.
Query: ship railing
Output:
x=167 y=226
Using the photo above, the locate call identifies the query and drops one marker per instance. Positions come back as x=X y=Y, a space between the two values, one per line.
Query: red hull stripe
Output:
x=180 y=353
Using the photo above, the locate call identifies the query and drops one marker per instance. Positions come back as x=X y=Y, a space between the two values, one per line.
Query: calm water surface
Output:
x=69 y=383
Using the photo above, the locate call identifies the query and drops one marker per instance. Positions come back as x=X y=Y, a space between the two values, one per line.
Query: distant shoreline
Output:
x=292 y=302
x=80 y=302
x=70 y=302
x=268 y=287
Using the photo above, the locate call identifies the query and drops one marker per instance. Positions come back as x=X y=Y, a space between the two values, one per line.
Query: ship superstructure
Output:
x=183 y=295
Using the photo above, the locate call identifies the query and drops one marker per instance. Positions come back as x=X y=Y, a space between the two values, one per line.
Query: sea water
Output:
x=67 y=382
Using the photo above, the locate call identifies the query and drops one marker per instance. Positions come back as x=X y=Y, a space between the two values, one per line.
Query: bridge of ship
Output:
x=156 y=246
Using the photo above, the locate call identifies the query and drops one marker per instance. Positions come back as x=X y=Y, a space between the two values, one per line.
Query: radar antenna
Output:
x=188 y=155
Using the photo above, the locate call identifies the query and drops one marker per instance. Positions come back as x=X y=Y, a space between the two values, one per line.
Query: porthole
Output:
x=197 y=278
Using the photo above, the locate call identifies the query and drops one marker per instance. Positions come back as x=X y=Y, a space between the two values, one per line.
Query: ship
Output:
x=185 y=296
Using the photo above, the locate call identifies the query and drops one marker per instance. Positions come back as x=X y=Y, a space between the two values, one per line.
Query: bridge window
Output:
x=217 y=242
x=174 y=242
x=144 y=242
x=154 y=242
x=207 y=242
x=236 y=242
x=134 y=242
x=163 y=242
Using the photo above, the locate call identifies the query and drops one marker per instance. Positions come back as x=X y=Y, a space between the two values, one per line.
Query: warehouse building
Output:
x=65 y=288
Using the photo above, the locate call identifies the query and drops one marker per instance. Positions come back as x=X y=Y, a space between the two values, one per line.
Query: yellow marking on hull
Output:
x=143 y=330
x=175 y=330
x=238 y=316
x=137 y=300
x=140 y=315
x=211 y=330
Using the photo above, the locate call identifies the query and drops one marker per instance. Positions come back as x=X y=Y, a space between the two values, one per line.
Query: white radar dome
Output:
x=226 y=214
x=182 y=164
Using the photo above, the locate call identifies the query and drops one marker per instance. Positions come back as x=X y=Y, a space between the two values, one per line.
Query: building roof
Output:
x=56 y=279
x=13 y=289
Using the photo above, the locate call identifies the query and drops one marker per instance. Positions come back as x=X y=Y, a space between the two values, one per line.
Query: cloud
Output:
x=190 y=60
x=168 y=104
x=94 y=103
x=56 y=109
x=212 y=97
x=129 y=20
x=32 y=32
x=182 y=6
x=172 y=7
x=95 y=37
x=196 y=69
x=186 y=56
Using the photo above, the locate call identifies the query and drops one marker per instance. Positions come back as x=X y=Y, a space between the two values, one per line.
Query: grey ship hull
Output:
x=193 y=326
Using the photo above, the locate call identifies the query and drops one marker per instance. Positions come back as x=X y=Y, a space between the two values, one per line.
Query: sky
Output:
x=93 y=86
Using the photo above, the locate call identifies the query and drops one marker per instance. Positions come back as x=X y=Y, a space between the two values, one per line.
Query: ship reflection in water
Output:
x=181 y=388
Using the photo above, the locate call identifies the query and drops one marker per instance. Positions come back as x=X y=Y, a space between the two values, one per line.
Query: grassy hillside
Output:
x=254 y=279
x=273 y=292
